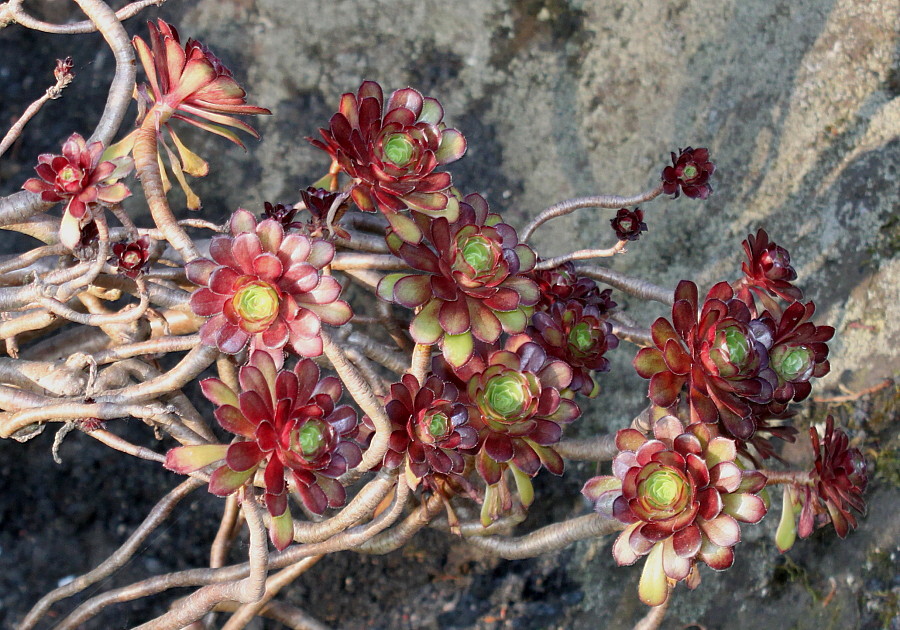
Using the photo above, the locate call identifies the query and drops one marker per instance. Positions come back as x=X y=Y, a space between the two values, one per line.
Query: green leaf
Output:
x=786 y=533
x=653 y=588
x=386 y=286
x=524 y=486
x=281 y=530
x=425 y=327
x=512 y=321
x=457 y=349
x=187 y=459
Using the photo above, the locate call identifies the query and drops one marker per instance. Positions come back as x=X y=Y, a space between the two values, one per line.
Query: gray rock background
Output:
x=799 y=103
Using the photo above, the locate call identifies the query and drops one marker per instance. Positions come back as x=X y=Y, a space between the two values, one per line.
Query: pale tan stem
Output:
x=247 y=590
x=274 y=584
x=118 y=559
x=548 y=539
x=598 y=201
x=366 y=399
x=581 y=254
x=17 y=14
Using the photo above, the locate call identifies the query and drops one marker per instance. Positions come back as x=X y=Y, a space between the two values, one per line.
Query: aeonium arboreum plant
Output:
x=516 y=406
x=264 y=287
x=682 y=494
x=292 y=430
x=391 y=153
x=82 y=178
x=472 y=283
x=717 y=352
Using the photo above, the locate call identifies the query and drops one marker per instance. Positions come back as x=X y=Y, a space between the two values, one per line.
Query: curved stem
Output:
x=547 y=539
x=146 y=165
x=247 y=590
x=654 y=617
x=581 y=254
x=20 y=16
x=120 y=556
x=365 y=398
x=122 y=85
x=632 y=286
x=274 y=584
x=598 y=201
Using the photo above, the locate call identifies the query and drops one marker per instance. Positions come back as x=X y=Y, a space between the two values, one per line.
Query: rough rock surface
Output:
x=799 y=103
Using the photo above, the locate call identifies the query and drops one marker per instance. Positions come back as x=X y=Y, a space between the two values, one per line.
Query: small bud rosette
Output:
x=293 y=431
x=266 y=287
x=472 y=284
x=391 y=153
x=83 y=178
x=132 y=256
x=563 y=284
x=682 y=495
x=833 y=491
x=689 y=174
x=767 y=272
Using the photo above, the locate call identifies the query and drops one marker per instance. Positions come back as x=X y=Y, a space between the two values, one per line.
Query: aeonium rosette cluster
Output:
x=682 y=494
x=430 y=428
x=290 y=428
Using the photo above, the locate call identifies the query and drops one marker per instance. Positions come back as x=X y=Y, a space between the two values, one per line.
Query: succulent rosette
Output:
x=836 y=484
x=265 y=287
x=132 y=256
x=519 y=413
x=318 y=202
x=579 y=336
x=628 y=224
x=689 y=174
x=82 y=177
x=767 y=271
x=719 y=354
x=188 y=83
x=561 y=284
x=682 y=495
x=391 y=151
x=283 y=213
x=797 y=353
x=293 y=431
x=430 y=426
x=840 y=474
x=471 y=284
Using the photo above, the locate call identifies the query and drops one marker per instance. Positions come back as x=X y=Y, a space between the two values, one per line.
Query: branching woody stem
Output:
x=274 y=584
x=122 y=85
x=367 y=261
x=796 y=477
x=599 y=201
x=548 y=539
x=654 y=617
x=360 y=507
x=365 y=398
x=632 y=286
x=20 y=16
x=247 y=590
x=146 y=164
x=601 y=448
x=52 y=92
